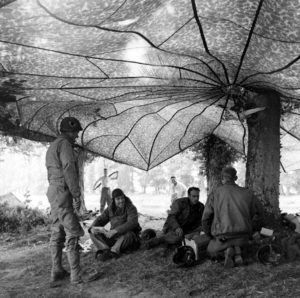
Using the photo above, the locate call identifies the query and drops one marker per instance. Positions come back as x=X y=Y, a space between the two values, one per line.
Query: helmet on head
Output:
x=70 y=124
x=184 y=256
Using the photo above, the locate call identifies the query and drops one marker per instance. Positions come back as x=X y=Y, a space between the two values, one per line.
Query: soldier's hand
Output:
x=94 y=231
x=179 y=232
x=111 y=233
x=76 y=203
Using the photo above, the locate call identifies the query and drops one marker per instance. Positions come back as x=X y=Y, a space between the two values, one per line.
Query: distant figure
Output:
x=178 y=189
x=231 y=214
x=105 y=197
x=184 y=220
x=124 y=228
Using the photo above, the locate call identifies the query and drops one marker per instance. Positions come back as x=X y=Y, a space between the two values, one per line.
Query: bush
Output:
x=20 y=219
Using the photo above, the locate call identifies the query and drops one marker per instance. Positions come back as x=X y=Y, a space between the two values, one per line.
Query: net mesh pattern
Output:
x=148 y=79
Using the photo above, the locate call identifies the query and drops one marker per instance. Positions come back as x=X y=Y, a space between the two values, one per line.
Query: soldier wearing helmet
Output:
x=230 y=216
x=64 y=196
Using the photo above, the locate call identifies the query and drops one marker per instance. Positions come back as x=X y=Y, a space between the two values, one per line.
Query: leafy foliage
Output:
x=20 y=219
x=225 y=152
x=18 y=145
x=9 y=88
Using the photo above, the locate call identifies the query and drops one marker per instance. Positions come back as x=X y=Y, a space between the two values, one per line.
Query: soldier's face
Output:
x=120 y=201
x=76 y=133
x=194 y=197
x=173 y=180
x=73 y=135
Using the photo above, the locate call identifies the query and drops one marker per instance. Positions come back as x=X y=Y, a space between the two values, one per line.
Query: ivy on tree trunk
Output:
x=217 y=155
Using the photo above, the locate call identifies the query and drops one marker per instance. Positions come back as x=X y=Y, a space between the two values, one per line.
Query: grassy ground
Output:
x=25 y=270
x=25 y=267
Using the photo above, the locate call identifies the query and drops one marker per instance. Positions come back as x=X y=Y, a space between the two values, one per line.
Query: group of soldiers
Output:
x=228 y=219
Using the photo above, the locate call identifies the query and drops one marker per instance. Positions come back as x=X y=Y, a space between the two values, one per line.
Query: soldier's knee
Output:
x=57 y=237
x=72 y=244
x=130 y=235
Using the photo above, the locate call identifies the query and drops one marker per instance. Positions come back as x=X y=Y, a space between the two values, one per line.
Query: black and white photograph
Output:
x=149 y=148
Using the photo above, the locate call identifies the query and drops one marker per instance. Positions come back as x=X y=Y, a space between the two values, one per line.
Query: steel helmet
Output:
x=184 y=256
x=269 y=254
x=70 y=124
x=148 y=234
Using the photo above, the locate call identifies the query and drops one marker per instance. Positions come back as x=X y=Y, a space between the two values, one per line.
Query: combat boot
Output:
x=229 y=253
x=57 y=271
x=76 y=273
x=74 y=261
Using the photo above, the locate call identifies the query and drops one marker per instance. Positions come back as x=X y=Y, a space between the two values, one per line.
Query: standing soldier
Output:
x=64 y=198
x=178 y=189
x=105 y=191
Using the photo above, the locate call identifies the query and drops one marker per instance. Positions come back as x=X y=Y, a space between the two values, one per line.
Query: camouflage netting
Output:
x=148 y=79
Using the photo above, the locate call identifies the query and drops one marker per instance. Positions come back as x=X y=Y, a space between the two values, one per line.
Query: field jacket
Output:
x=62 y=175
x=184 y=215
x=230 y=210
x=122 y=220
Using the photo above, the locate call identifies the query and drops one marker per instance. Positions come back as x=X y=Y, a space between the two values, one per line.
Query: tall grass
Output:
x=20 y=219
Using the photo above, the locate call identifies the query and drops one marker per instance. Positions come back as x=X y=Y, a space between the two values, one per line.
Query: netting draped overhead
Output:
x=148 y=78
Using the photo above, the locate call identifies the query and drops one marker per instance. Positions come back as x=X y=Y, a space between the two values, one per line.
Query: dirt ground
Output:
x=25 y=269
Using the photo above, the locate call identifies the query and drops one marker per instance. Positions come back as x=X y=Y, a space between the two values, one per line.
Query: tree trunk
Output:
x=263 y=160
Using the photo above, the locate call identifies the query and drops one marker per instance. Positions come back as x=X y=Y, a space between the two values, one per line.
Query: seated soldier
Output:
x=229 y=217
x=184 y=220
x=124 y=231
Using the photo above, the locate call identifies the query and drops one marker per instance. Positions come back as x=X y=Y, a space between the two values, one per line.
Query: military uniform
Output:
x=228 y=217
x=183 y=215
x=125 y=221
x=63 y=188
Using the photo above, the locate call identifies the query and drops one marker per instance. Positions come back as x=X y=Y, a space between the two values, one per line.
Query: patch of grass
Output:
x=146 y=272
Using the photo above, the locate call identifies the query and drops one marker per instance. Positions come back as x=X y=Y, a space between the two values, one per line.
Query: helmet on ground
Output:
x=184 y=256
x=269 y=254
x=148 y=234
x=70 y=124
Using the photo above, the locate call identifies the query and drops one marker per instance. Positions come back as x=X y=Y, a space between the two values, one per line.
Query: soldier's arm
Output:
x=70 y=173
x=102 y=219
x=98 y=183
x=172 y=220
x=114 y=175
